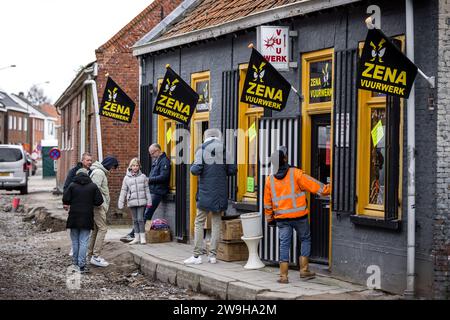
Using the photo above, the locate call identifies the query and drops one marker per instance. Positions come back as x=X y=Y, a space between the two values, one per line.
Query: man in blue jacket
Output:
x=159 y=179
x=212 y=168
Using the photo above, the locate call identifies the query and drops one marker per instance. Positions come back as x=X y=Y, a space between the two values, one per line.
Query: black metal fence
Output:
x=229 y=116
x=274 y=132
x=345 y=117
x=146 y=127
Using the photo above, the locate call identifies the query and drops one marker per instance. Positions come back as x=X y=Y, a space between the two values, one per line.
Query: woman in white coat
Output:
x=136 y=192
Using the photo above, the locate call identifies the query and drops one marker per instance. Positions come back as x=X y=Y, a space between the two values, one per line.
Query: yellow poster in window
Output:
x=252 y=131
x=377 y=133
x=169 y=135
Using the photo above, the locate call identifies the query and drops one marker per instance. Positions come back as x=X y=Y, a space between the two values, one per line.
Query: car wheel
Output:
x=24 y=189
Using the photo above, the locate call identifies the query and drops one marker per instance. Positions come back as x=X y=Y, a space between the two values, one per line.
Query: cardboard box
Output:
x=158 y=236
x=231 y=230
x=232 y=251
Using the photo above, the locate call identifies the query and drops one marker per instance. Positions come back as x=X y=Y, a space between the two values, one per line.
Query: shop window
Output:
x=374 y=158
x=166 y=139
x=317 y=85
x=247 y=147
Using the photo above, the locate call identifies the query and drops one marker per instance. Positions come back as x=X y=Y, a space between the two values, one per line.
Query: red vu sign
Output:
x=273 y=44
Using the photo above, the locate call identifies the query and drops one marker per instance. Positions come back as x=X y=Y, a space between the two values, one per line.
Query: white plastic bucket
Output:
x=251 y=224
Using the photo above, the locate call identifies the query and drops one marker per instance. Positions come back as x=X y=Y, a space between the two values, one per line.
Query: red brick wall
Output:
x=16 y=136
x=3 y=125
x=37 y=130
x=115 y=58
x=69 y=147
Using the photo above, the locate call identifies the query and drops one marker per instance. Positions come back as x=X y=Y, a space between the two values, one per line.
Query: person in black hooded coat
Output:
x=80 y=198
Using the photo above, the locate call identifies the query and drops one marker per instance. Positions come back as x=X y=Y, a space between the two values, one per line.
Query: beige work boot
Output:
x=284 y=268
x=304 y=269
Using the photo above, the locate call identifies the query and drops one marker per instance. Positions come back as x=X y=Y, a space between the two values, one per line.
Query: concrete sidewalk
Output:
x=229 y=280
x=226 y=280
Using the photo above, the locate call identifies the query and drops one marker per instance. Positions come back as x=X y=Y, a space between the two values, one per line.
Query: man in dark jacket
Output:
x=80 y=198
x=86 y=162
x=159 y=180
x=212 y=166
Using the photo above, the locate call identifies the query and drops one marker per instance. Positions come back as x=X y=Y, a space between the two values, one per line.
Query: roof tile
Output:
x=211 y=13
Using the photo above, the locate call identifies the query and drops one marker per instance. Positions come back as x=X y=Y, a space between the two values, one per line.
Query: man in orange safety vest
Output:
x=285 y=206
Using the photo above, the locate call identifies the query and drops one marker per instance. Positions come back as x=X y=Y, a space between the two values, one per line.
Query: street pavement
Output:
x=225 y=280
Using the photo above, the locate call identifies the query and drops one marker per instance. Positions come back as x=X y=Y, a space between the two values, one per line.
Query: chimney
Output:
x=21 y=94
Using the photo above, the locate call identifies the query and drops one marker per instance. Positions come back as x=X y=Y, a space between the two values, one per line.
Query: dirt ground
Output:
x=35 y=264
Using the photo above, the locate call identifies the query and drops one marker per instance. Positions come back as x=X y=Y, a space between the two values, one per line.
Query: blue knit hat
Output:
x=110 y=162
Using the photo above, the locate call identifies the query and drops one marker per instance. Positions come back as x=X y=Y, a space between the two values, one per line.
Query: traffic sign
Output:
x=54 y=153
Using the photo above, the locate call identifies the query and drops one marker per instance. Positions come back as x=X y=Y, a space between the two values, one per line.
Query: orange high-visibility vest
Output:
x=286 y=198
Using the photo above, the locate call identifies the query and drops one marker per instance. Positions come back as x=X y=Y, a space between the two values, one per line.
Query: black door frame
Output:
x=320 y=216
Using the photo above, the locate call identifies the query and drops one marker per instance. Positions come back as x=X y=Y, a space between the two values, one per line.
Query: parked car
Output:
x=14 y=169
x=32 y=164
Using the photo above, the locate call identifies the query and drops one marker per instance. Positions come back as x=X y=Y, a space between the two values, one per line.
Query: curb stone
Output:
x=243 y=291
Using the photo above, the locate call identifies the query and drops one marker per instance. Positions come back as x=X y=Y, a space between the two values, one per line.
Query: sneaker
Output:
x=71 y=252
x=84 y=269
x=128 y=238
x=73 y=268
x=193 y=260
x=99 y=262
x=212 y=259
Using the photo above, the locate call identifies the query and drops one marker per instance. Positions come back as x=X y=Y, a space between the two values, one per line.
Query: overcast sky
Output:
x=49 y=39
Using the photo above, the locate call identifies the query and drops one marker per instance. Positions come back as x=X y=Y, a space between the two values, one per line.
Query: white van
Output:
x=14 y=169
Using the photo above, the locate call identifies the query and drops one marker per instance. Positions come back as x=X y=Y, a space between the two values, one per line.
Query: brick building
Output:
x=51 y=121
x=78 y=127
x=16 y=122
x=2 y=122
x=362 y=230
x=36 y=124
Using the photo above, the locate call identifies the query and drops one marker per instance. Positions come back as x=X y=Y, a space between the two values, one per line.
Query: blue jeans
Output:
x=138 y=219
x=80 y=242
x=148 y=214
x=285 y=234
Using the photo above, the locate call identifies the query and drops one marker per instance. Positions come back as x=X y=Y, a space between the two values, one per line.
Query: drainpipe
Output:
x=97 y=118
x=411 y=149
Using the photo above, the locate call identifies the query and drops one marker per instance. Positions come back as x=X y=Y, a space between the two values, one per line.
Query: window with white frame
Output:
x=63 y=141
x=10 y=122
x=19 y=123
x=25 y=124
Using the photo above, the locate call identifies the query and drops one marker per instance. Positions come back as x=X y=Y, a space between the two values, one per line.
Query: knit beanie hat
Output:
x=82 y=170
x=110 y=162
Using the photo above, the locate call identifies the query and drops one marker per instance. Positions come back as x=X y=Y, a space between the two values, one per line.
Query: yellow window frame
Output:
x=310 y=109
x=163 y=123
x=367 y=101
x=245 y=113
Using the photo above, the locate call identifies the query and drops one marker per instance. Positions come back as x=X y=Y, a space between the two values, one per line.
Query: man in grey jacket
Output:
x=99 y=176
x=212 y=166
